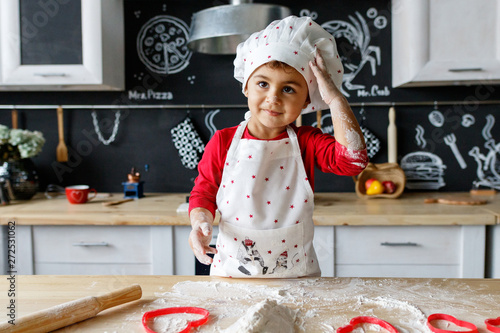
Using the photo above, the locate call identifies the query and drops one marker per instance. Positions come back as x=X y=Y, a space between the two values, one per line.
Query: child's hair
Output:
x=275 y=64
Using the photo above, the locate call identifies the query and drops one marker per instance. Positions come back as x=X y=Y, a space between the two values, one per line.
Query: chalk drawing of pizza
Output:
x=162 y=44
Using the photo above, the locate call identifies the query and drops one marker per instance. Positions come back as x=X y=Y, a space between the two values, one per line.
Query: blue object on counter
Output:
x=133 y=190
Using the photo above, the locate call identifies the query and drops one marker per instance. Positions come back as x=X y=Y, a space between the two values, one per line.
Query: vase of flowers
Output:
x=18 y=174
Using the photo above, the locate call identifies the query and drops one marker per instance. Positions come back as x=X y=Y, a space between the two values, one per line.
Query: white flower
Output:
x=4 y=134
x=28 y=143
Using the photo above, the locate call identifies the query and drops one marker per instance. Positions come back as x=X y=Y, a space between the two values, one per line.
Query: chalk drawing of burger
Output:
x=423 y=170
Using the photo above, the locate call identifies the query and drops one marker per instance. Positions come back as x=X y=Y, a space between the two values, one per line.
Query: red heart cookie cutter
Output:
x=492 y=323
x=440 y=316
x=366 y=320
x=188 y=309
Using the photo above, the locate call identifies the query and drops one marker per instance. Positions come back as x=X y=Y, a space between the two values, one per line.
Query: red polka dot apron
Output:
x=266 y=205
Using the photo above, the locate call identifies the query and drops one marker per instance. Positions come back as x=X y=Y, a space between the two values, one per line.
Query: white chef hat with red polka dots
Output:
x=294 y=41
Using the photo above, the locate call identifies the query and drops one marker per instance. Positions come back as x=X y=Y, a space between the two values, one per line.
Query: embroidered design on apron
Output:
x=266 y=205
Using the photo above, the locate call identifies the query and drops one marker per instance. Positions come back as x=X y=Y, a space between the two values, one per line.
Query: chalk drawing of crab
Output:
x=353 y=42
x=488 y=166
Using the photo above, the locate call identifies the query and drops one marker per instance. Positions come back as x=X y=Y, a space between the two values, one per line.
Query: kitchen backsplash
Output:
x=444 y=146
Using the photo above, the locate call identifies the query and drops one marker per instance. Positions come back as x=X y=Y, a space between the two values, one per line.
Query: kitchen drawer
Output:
x=92 y=269
x=401 y=271
x=398 y=245
x=92 y=244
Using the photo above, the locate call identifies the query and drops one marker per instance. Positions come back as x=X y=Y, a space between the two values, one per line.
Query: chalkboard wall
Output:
x=455 y=141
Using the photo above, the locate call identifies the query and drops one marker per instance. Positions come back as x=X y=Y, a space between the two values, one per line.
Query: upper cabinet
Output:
x=445 y=42
x=62 y=45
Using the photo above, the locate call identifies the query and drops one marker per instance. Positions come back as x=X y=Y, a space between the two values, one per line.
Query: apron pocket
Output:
x=269 y=253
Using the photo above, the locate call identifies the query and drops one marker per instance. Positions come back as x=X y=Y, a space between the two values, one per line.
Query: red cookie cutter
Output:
x=160 y=312
x=440 y=316
x=366 y=320
x=492 y=321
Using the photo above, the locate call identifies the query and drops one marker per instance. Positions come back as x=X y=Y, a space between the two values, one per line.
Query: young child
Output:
x=260 y=174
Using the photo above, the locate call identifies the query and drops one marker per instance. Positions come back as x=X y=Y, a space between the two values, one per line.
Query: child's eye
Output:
x=288 y=90
x=263 y=84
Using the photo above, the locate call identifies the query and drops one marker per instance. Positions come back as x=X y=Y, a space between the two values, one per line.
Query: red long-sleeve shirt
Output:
x=317 y=149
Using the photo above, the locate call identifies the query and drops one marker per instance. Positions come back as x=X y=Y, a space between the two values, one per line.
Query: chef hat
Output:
x=292 y=40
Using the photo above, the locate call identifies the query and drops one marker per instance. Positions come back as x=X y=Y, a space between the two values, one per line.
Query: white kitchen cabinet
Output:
x=410 y=251
x=343 y=251
x=380 y=251
x=62 y=45
x=324 y=245
x=95 y=250
x=493 y=259
x=445 y=42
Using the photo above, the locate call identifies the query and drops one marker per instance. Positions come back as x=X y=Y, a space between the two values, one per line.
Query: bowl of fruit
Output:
x=386 y=180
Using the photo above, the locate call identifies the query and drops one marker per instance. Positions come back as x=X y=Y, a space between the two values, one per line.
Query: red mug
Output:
x=79 y=194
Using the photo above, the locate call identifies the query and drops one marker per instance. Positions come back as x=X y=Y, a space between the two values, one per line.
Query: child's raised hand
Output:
x=201 y=235
x=327 y=89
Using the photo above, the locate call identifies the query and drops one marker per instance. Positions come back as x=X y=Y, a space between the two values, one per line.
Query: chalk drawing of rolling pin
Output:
x=451 y=141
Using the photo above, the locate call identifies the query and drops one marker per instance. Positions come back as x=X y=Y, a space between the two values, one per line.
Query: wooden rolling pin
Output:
x=392 y=137
x=71 y=312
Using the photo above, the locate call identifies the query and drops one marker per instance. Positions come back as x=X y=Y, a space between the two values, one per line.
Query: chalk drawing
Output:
x=372 y=13
x=419 y=137
x=325 y=129
x=191 y=79
x=307 y=12
x=488 y=166
x=468 y=120
x=451 y=141
x=162 y=45
x=423 y=170
x=355 y=36
x=209 y=121
x=436 y=118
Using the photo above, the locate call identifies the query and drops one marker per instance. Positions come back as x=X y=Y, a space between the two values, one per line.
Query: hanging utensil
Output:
x=392 y=137
x=14 y=118
x=61 y=150
x=372 y=142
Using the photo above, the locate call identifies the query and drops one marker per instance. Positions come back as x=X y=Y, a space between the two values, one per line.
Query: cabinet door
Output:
x=410 y=251
x=61 y=45
x=445 y=42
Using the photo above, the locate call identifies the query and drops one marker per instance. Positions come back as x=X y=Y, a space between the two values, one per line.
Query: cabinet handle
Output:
x=49 y=74
x=472 y=69
x=398 y=244
x=91 y=244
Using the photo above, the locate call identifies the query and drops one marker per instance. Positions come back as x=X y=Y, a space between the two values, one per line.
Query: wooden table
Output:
x=330 y=209
x=325 y=303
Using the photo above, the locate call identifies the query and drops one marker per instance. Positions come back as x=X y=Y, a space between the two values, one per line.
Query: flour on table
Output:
x=324 y=305
x=267 y=317
x=172 y=322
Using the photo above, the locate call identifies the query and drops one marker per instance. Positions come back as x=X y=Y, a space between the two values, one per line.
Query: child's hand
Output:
x=201 y=235
x=327 y=89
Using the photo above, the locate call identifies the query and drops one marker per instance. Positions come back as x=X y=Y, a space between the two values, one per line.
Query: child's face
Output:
x=276 y=97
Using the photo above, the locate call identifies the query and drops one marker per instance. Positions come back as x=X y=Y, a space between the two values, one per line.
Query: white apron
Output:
x=266 y=205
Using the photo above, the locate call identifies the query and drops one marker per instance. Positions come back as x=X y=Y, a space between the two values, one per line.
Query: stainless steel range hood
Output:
x=219 y=30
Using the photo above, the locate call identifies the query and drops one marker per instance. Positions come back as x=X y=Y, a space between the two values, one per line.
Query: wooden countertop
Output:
x=325 y=303
x=330 y=209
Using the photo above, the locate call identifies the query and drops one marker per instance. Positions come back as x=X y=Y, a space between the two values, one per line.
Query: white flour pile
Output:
x=268 y=317
x=315 y=305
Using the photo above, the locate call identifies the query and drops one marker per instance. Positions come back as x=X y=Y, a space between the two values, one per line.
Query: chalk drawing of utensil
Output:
x=451 y=141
